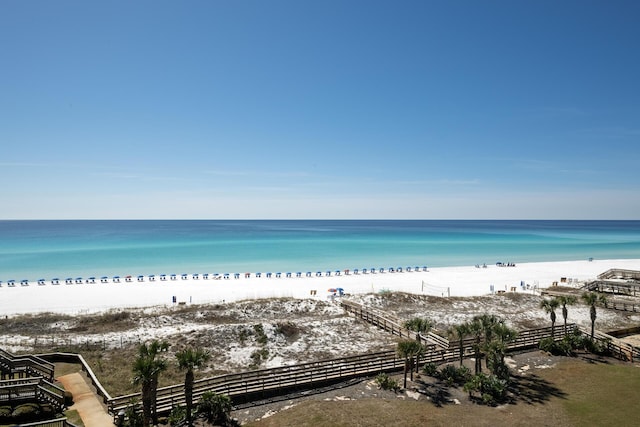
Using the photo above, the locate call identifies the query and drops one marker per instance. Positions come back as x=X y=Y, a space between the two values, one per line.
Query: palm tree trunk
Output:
x=146 y=404
x=188 y=395
x=406 y=363
x=154 y=392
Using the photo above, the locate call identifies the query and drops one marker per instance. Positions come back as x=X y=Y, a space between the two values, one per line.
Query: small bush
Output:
x=453 y=375
x=215 y=407
x=5 y=413
x=68 y=398
x=261 y=337
x=491 y=389
x=288 y=329
x=177 y=416
x=26 y=412
x=430 y=369
x=385 y=382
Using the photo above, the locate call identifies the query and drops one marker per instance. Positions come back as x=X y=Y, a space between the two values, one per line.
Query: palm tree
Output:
x=408 y=349
x=420 y=326
x=566 y=300
x=147 y=368
x=143 y=372
x=460 y=332
x=591 y=299
x=190 y=359
x=475 y=329
x=498 y=347
x=549 y=306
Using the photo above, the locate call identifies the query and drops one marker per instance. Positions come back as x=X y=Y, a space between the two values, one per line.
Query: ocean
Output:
x=47 y=249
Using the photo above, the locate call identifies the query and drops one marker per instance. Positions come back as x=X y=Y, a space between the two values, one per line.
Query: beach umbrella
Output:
x=24 y=282
x=11 y=282
x=195 y=276
x=40 y=281
x=258 y=274
x=332 y=290
x=308 y=274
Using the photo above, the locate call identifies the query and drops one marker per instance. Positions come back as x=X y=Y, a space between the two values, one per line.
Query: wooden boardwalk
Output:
x=390 y=324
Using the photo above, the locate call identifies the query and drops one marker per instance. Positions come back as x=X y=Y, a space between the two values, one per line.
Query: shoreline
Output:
x=80 y=297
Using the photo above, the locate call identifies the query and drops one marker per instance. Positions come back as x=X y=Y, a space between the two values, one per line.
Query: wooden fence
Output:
x=246 y=386
x=386 y=323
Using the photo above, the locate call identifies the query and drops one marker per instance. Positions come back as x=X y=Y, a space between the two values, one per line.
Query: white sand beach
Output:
x=85 y=297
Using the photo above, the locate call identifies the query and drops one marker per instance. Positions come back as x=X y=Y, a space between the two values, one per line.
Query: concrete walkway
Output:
x=85 y=401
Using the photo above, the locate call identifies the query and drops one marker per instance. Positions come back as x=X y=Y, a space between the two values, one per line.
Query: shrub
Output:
x=177 y=415
x=430 y=369
x=288 y=329
x=261 y=337
x=492 y=389
x=26 y=412
x=215 y=407
x=5 y=413
x=385 y=382
x=68 y=398
x=453 y=375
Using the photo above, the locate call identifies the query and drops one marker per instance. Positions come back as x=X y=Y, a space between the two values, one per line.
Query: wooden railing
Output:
x=620 y=273
x=620 y=349
x=31 y=389
x=24 y=366
x=58 y=422
x=77 y=358
x=268 y=382
x=385 y=322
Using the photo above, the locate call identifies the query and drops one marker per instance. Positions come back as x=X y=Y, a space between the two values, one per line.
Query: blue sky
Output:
x=324 y=109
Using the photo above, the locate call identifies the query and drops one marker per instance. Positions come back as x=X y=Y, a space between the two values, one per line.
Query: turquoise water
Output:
x=47 y=249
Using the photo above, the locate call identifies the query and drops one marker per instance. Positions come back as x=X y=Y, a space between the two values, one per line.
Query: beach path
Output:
x=85 y=401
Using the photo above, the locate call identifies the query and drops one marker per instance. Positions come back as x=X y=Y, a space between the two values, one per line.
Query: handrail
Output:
x=246 y=384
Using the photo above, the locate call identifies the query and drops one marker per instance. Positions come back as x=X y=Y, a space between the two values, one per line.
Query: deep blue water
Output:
x=46 y=249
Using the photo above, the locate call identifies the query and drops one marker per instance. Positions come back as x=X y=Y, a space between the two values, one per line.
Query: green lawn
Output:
x=574 y=393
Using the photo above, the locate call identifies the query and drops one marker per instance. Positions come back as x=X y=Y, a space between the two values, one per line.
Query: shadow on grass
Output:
x=532 y=389
x=438 y=392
